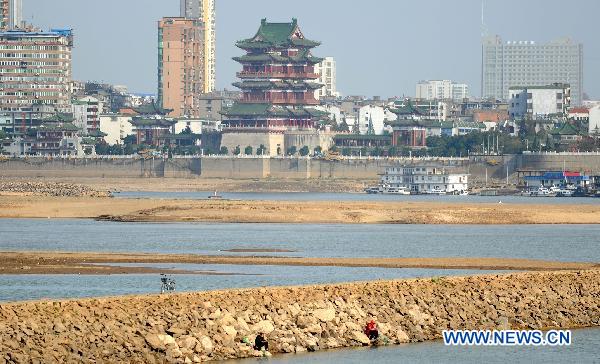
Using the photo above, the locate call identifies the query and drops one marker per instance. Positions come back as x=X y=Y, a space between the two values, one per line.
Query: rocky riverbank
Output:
x=55 y=189
x=196 y=327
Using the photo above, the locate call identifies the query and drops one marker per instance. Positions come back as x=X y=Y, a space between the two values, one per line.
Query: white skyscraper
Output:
x=205 y=11
x=525 y=63
x=327 y=76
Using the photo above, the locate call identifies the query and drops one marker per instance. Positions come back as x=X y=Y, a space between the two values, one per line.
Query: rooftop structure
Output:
x=539 y=101
x=204 y=10
x=327 y=72
x=277 y=82
x=180 y=68
x=507 y=64
x=442 y=90
x=35 y=70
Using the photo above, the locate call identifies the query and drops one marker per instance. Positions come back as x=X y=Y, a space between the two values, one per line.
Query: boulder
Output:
x=264 y=327
x=360 y=337
x=230 y=331
x=324 y=314
x=401 y=336
x=205 y=345
x=160 y=341
x=188 y=342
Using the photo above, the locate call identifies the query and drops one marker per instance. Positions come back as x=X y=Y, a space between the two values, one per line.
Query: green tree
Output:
x=261 y=149
x=346 y=151
x=304 y=151
x=292 y=150
x=237 y=150
x=392 y=151
x=248 y=150
x=224 y=150
x=343 y=126
x=128 y=149
x=377 y=152
x=130 y=139
x=318 y=150
x=186 y=131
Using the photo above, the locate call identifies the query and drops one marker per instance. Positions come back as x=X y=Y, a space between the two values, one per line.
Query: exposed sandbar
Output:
x=73 y=263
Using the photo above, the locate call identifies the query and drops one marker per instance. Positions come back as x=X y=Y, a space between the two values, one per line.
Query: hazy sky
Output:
x=382 y=47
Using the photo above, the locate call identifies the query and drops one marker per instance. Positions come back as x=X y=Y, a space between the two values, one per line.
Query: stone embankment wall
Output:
x=196 y=327
x=495 y=167
x=205 y=167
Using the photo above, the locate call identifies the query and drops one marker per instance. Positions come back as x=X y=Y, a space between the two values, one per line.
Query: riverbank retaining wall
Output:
x=194 y=327
x=494 y=167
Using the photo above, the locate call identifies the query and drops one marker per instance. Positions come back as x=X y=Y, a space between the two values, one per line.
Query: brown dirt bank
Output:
x=64 y=262
x=205 y=326
x=345 y=212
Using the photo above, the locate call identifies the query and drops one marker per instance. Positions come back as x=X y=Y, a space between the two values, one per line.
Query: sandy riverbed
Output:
x=344 y=212
x=91 y=263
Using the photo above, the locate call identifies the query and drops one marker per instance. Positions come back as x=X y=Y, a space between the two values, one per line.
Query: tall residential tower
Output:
x=525 y=63
x=205 y=11
x=180 y=68
x=35 y=70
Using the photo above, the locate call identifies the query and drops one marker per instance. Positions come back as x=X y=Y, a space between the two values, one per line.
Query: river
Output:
x=585 y=348
x=548 y=242
x=332 y=196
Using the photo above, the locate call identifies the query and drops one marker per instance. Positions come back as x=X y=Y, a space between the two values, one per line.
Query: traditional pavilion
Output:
x=150 y=123
x=278 y=85
x=407 y=128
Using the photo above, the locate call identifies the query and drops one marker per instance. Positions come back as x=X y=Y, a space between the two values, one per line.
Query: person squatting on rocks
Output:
x=261 y=343
x=371 y=330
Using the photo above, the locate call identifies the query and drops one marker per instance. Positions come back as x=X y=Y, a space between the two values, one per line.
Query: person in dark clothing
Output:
x=260 y=342
x=371 y=331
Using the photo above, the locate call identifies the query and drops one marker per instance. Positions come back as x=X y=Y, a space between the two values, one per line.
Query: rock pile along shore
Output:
x=194 y=327
x=55 y=189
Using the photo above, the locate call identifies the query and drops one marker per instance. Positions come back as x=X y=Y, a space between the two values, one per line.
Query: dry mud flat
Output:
x=346 y=212
x=95 y=263
x=197 y=327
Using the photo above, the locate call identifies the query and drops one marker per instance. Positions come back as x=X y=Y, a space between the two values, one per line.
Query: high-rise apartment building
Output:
x=10 y=14
x=35 y=69
x=442 y=90
x=205 y=11
x=526 y=63
x=180 y=65
x=327 y=77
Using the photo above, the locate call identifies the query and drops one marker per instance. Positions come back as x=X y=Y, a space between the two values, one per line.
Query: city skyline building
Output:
x=180 y=67
x=441 y=90
x=526 y=63
x=327 y=72
x=35 y=70
x=10 y=14
x=205 y=11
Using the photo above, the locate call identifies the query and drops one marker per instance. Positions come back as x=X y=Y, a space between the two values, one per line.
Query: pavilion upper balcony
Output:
x=271 y=75
x=280 y=100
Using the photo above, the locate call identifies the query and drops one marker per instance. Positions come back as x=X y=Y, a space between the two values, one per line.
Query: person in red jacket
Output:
x=371 y=330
